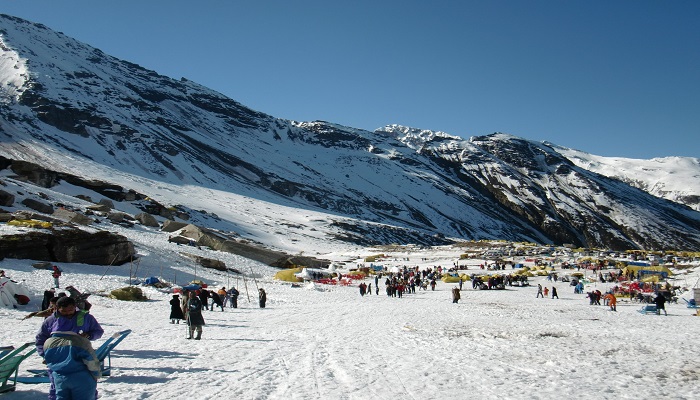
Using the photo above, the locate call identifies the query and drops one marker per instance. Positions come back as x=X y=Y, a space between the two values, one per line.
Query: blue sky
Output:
x=612 y=78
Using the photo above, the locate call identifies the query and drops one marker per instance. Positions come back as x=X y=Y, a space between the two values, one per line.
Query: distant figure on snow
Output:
x=195 y=320
x=56 y=274
x=660 y=301
x=216 y=300
x=176 y=310
x=233 y=297
x=455 y=295
x=262 y=297
x=612 y=301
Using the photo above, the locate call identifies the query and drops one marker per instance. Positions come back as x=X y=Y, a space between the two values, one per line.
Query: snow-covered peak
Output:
x=414 y=137
x=674 y=178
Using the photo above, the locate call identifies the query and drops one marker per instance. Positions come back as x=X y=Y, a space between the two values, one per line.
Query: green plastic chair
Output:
x=9 y=365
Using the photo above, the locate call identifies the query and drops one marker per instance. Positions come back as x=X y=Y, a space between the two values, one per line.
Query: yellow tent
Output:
x=451 y=278
x=287 y=275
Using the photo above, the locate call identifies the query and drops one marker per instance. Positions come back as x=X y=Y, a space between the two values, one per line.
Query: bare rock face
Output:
x=37 y=205
x=107 y=202
x=34 y=173
x=207 y=262
x=99 y=208
x=69 y=245
x=147 y=220
x=6 y=199
x=172 y=226
x=72 y=216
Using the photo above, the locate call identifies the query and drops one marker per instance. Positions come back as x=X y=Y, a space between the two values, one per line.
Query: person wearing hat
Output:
x=67 y=318
x=176 y=310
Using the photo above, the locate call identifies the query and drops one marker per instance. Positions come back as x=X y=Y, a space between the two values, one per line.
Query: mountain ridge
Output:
x=68 y=106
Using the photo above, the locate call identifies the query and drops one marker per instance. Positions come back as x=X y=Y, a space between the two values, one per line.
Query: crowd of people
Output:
x=65 y=336
x=189 y=308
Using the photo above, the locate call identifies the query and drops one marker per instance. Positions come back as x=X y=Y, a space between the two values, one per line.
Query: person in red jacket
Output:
x=56 y=274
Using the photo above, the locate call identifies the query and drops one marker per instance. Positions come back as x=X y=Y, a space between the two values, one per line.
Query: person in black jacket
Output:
x=175 y=310
x=216 y=300
x=204 y=299
x=195 y=320
x=660 y=301
x=262 y=296
x=233 y=295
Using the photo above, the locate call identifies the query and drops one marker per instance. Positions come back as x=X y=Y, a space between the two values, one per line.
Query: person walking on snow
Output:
x=194 y=317
x=539 y=291
x=554 y=292
x=455 y=295
x=176 y=310
x=56 y=274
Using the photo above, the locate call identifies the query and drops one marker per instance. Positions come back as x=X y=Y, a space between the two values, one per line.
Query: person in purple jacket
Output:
x=67 y=318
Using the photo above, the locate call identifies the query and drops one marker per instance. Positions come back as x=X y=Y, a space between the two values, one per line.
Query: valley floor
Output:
x=327 y=342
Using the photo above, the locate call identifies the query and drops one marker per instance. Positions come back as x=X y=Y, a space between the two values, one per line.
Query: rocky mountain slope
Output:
x=72 y=109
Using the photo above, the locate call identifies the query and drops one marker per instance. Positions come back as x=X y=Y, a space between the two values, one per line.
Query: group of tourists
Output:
x=189 y=308
x=544 y=292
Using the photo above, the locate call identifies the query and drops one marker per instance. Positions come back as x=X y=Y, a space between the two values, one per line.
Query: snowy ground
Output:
x=328 y=342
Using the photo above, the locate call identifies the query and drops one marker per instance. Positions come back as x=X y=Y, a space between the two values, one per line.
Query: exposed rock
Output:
x=84 y=197
x=207 y=262
x=219 y=241
x=38 y=206
x=34 y=173
x=107 y=202
x=99 y=207
x=68 y=245
x=130 y=196
x=42 y=265
x=300 y=261
x=180 y=240
x=29 y=215
x=72 y=216
x=6 y=199
x=147 y=219
x=115 y=217
x=172 y=226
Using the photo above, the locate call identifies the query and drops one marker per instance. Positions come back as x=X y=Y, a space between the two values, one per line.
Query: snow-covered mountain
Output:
x=673 y=178
x=71 y=108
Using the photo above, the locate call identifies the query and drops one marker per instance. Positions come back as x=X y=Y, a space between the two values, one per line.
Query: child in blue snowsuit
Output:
x=73 y=364
x=66 y=318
